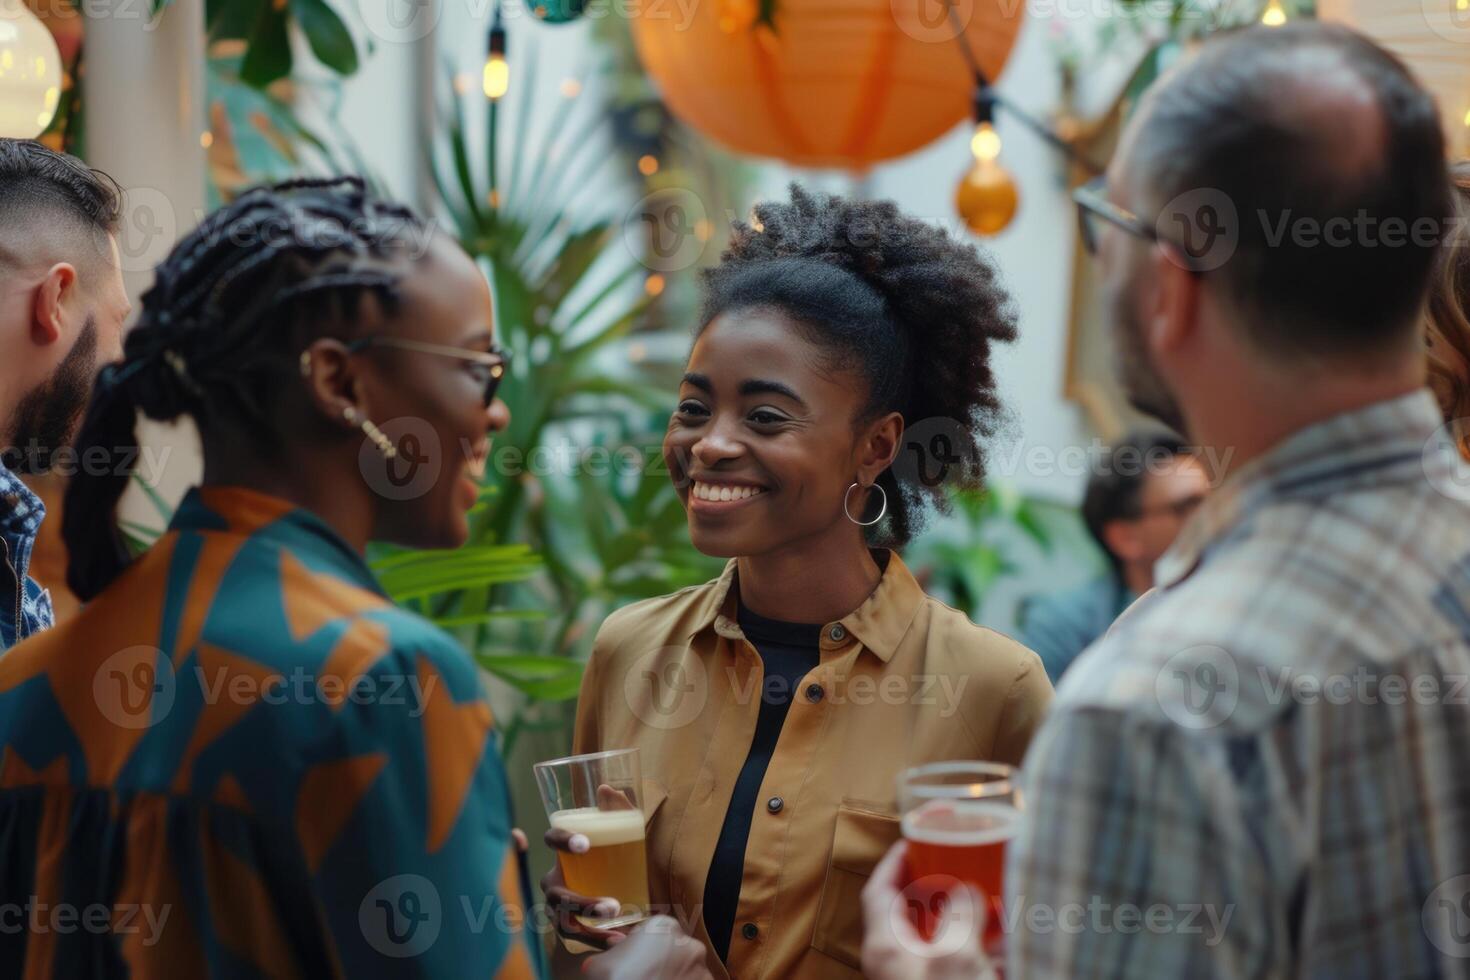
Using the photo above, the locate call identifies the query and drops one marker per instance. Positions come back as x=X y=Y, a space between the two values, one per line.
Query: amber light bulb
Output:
x=986 y=197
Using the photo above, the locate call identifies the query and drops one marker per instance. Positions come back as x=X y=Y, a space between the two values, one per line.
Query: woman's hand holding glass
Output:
x=570 y=910
x=598 y=835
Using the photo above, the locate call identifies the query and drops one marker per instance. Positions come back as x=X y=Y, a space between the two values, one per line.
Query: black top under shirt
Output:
x=788 y=651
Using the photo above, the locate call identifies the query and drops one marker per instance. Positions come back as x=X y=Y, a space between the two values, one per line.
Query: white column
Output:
x=144 y=100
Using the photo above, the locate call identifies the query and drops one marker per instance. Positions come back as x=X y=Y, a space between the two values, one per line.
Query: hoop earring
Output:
x=384 y=444
x=881 y=511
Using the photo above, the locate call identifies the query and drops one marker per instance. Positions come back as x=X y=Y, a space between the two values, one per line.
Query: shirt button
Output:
x=837 y=633
x=749 y=930
x=774 y=804
x=814 y=693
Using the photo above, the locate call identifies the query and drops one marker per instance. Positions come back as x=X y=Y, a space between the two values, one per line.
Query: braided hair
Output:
x=230 y=307
x=898 y=302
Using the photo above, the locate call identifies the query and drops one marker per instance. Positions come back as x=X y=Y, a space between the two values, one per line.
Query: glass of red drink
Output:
x=957 y=818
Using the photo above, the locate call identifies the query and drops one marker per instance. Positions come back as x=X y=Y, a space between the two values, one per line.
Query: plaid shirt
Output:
x=1263 y=770
x=25 y=607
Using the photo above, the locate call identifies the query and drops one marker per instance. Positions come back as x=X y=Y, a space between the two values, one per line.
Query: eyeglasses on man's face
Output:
x=495 y=361
x=1093 y=208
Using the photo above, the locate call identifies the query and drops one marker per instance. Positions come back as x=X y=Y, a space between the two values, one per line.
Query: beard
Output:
x=48 y=415
x=1142 y=384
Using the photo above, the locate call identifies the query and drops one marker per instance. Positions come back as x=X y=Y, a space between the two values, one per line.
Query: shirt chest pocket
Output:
x=859 y=841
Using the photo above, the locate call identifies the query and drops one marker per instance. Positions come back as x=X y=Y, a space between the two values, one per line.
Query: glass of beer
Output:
x=957 y=818
x=596 y=795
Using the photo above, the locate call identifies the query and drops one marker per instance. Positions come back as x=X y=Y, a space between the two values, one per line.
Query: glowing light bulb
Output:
x=1275 y=14
x=497 y=77
x=986 y=197
x=985 y=144
x=30 y=72
x=654 y=284
x=1462 y=5
x=648 y=165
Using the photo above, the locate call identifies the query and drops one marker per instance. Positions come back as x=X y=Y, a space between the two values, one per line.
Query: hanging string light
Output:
x=1275 y=14
x=497 y=69
x=987 y=197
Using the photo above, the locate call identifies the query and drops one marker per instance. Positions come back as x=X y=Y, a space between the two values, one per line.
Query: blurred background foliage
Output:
x=577 y=502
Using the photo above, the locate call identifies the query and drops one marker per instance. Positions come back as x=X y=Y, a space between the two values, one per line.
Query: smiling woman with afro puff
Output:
x=775 y=707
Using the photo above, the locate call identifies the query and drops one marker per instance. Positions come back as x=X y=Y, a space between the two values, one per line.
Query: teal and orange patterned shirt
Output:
x=242 y=760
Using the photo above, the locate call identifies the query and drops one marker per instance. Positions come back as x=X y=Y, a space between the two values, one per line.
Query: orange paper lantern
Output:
x=836 y=83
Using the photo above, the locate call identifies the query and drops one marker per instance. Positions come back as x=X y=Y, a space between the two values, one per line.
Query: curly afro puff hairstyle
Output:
x=895 y=301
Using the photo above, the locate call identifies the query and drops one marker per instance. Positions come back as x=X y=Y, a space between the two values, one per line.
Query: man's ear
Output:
x=332 y=383
x=882 y=440
x=48 y=321
x=1175 y=315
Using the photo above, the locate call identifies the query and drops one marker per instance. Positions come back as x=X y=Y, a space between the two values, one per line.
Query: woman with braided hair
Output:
x=240 y=751
x=838 y=386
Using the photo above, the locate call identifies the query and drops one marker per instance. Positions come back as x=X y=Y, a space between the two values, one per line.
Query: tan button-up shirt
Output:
x=902 y=680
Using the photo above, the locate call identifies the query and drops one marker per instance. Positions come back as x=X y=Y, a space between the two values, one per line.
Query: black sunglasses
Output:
x=497 y=359
x=1093 y=206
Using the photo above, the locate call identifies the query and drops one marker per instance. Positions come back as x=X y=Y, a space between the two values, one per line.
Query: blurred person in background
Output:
x=1448 y=323
x=240 y=737
x=775 y=707
x=1137 y=499
x=62 y=310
